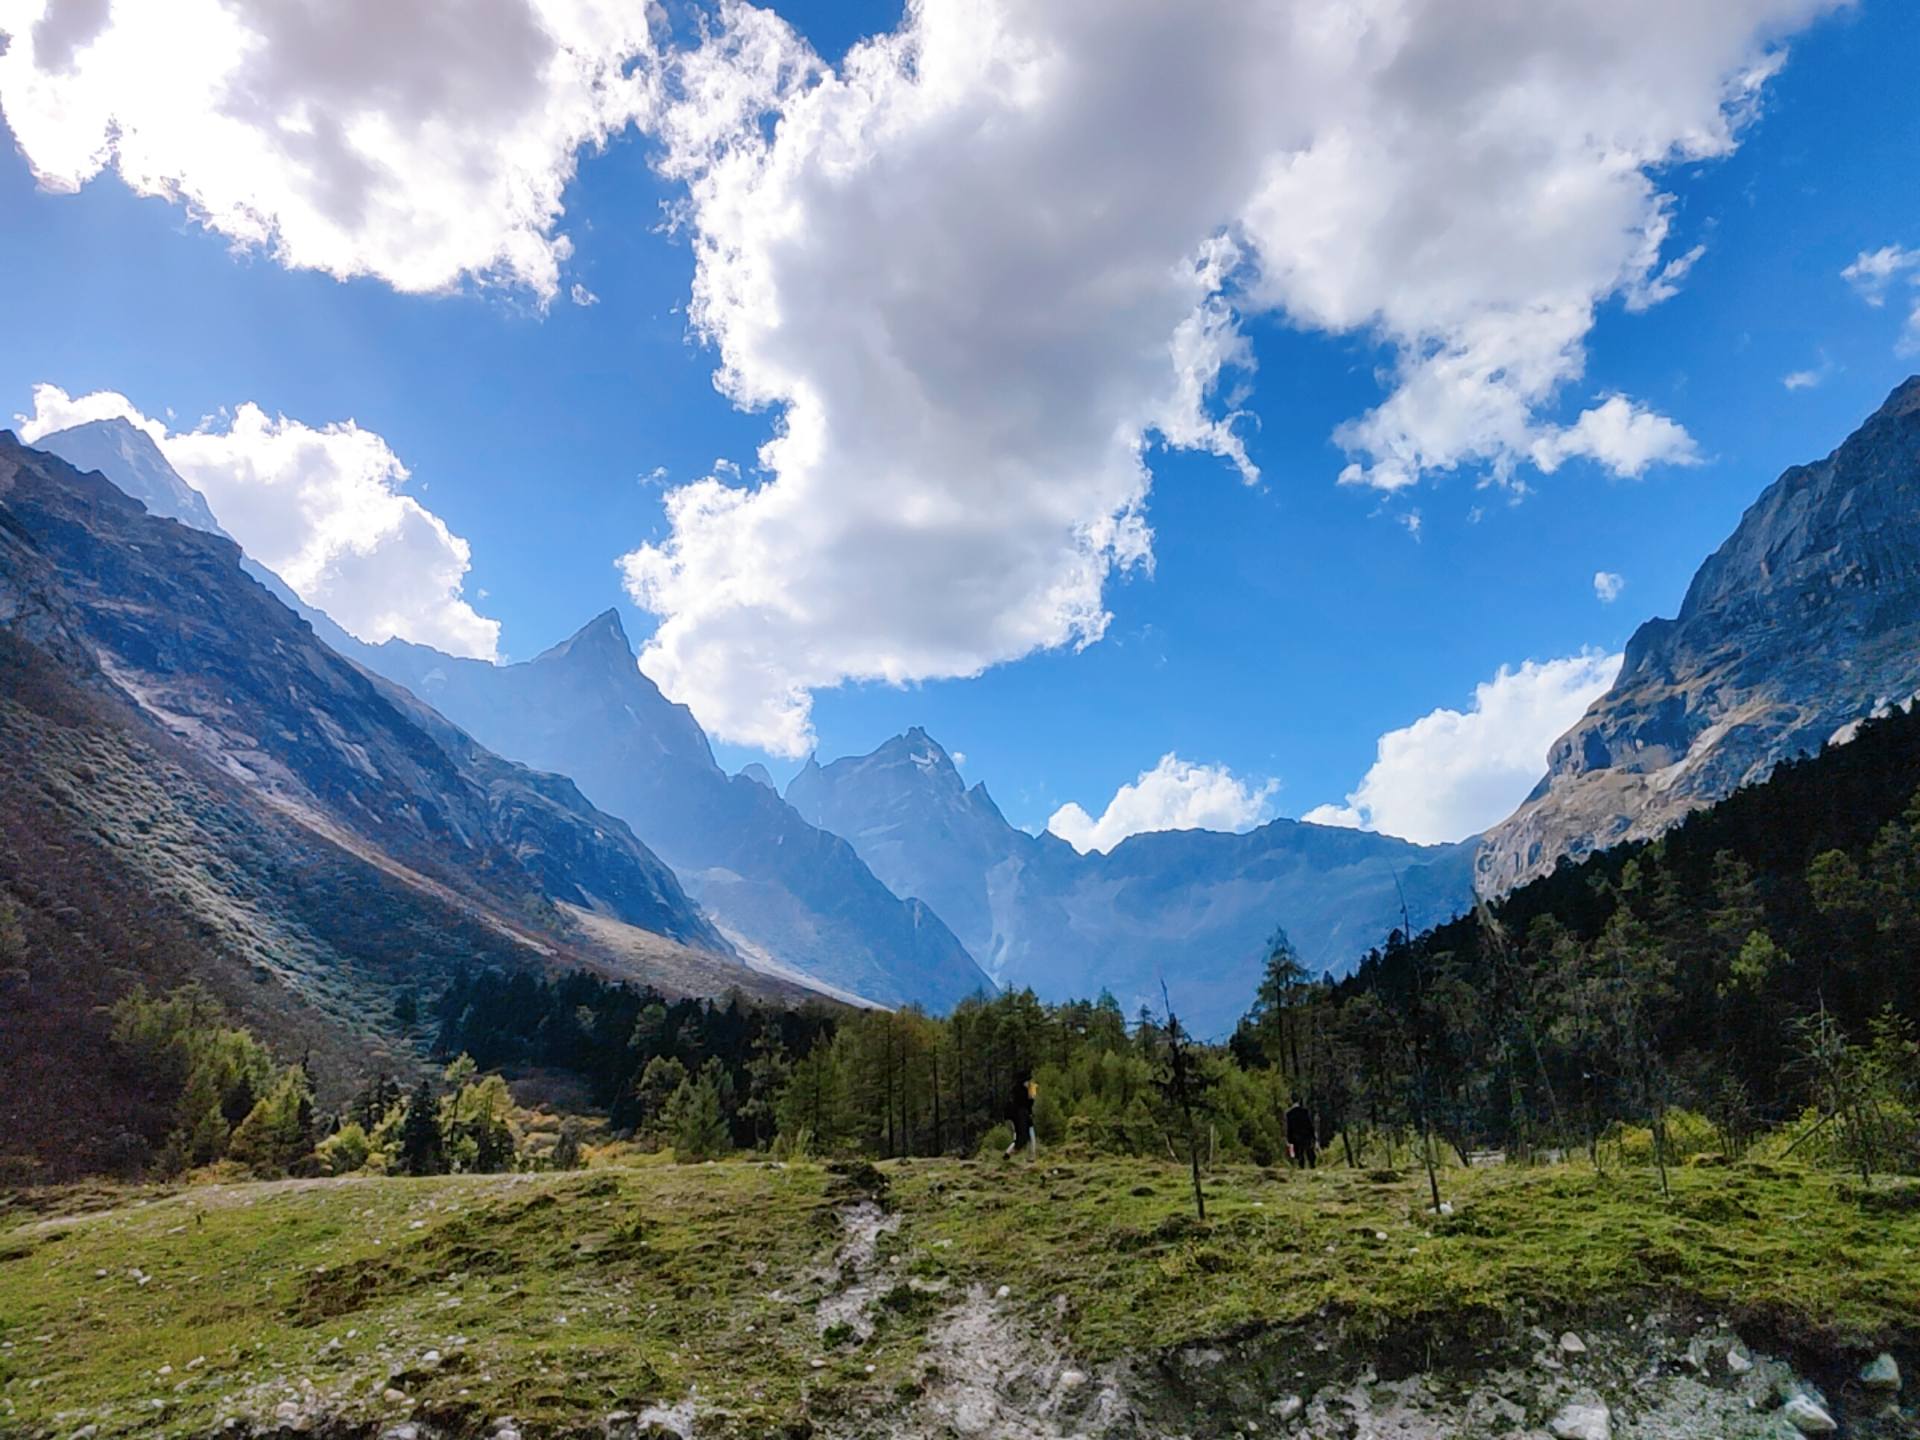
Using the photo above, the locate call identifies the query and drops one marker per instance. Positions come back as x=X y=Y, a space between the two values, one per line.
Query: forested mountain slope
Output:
x=1696 y=970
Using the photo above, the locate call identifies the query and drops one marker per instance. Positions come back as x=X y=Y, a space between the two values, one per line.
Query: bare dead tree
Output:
x=1182 y=1084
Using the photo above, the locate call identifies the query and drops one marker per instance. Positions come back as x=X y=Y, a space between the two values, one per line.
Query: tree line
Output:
x=1751 y=972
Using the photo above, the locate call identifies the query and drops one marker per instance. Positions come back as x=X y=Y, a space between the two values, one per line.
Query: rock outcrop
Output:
x=1805 y=622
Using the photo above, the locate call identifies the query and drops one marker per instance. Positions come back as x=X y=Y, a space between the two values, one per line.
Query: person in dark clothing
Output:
x=1020 y=1114
x=1303 y=1145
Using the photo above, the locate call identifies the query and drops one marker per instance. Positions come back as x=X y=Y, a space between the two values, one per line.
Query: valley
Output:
x=959 y=720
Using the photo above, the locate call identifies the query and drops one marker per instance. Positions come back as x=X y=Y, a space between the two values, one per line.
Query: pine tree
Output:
x=767 y=1074
x=420 y=1147
x=1184 y=1087
x=814 y=1102
x=696 y=1122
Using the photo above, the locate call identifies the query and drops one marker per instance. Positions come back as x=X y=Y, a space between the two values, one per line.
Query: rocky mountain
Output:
x=198 y=788
x=1195 y=906
x=797 y=903
x=128 y=456
x=1806 y=621
x=791 y=896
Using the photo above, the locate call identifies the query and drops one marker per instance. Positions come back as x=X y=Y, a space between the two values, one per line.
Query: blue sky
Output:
x=1286 y=625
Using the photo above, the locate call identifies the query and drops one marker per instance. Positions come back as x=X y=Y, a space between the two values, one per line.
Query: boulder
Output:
x=1582 y=1421
x=1807 y=1416
x=1883 y=1373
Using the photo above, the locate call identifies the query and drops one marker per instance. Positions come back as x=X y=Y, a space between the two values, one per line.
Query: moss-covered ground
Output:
x=558 y=1298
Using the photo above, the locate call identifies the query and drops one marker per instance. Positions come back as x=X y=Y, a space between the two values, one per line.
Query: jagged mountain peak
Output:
x=601 y=637
x=926 y=754
x=130 y=458
x=1805 y=621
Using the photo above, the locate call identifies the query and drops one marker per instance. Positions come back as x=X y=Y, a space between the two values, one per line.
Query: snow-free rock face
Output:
x=798 y=902
x=169 y=615
x=1806 y=621
x=1195 y=906
x=921 y=830
x=128 y=456
x=789 y=894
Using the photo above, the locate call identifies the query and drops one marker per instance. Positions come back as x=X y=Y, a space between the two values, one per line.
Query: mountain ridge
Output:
x=1199 y=904
x=200 y=790
x=789 y=895
x=1803 y=622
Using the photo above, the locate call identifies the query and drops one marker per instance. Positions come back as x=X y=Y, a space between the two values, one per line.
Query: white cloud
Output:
x=420 y=142
x=1607 y=586
x=582 y=296
x=1620 y=435
x=1449 y=775
x=322 y=508
x=974 y=278
x=1801 y=379
x=1874 y=273
x=1175 y=795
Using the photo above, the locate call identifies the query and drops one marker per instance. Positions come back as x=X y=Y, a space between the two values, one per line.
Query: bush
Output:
x=344 y=1151
x=995 y=1142
x=1689 y=1133
x=793 y=1146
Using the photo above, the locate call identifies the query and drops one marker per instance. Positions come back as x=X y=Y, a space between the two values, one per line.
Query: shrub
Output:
x=996 y=1141
x=344 y=1151
x=1689 y=1133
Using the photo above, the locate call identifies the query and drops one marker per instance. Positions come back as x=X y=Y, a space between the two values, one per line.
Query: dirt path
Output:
x=856 y=1270
x=988 y=1374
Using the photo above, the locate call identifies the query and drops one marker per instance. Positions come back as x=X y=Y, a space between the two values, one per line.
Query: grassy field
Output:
x=558 y=1298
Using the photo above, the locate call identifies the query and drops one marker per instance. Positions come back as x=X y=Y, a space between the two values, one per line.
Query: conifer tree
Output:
x=696 y=1122
x=420 y=1148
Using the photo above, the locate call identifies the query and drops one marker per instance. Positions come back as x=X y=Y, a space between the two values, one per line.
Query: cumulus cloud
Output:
x=980 y=268
x=1607 y=586
x=322 y=508
x=1620 y=435
x=419 y=143
x=1800 y=379
x=1876 y=273
x=1175 y=795
x=1451 y=774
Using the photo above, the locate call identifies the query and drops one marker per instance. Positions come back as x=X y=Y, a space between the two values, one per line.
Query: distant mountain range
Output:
x=1805 y=622
x=1194 y=907
x=875 y=915
x=787 y=893
x=886 y=876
